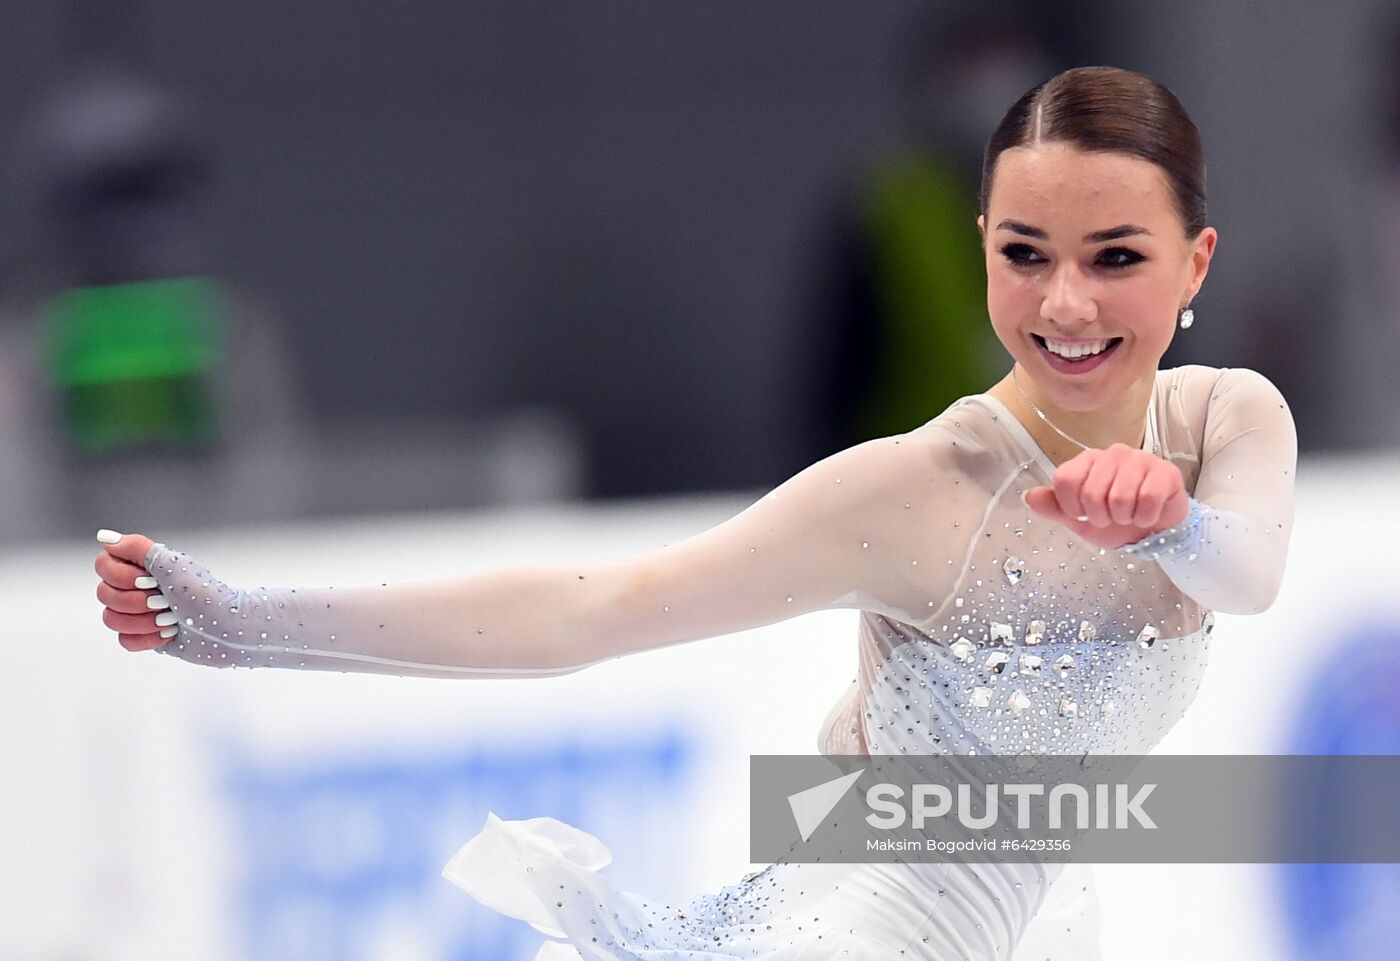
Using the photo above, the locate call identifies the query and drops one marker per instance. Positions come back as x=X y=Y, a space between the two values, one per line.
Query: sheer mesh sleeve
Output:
x=1229 y=552
x=828 y=537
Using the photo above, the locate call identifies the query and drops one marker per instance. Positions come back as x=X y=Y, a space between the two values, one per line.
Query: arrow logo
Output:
x=810 y=807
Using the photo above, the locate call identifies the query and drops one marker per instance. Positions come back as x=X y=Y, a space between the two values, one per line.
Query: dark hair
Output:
x=1111 y=110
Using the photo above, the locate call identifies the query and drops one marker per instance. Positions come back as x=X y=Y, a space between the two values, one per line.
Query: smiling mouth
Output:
x=1110 y=344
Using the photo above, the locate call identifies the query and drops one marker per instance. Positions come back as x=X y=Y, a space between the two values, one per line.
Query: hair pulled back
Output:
x=1111 y=110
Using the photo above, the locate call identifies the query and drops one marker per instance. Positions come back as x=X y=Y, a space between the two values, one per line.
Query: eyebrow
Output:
x=1097 y=237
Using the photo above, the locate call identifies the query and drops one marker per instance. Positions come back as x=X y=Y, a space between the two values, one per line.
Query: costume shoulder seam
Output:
x=936 y=434
x=1243 y=376
x=1192 y=371
x=1216 y=377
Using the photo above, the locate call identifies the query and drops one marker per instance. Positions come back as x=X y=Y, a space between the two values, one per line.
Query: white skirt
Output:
x=546 y=872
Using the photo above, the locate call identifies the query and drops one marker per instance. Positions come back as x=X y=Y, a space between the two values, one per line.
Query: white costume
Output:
x=984 y=628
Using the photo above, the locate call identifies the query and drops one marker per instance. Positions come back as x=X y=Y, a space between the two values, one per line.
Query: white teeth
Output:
x=1073 y=351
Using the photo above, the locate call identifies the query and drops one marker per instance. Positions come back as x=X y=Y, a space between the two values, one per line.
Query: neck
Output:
x=1121 y=421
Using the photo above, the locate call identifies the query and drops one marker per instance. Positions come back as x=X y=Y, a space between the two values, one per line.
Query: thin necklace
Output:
x=1048 y=423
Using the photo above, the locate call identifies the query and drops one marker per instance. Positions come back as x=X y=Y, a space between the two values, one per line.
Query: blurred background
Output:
x=320 y=291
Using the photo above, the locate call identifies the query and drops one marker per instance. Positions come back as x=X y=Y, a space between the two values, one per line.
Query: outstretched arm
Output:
x=825 y=538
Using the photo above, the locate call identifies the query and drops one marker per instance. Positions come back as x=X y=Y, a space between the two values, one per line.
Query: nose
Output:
x=1069 y=300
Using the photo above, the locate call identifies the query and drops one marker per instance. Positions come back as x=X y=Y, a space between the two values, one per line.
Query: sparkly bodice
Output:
x=1046 y=644
x=1026 y=685
x=1033 y=640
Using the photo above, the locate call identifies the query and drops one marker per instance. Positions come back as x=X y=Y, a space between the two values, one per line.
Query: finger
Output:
x=141 y=642
x=124 y=602
x=1093 y=493
x=1123 y=492
x=135 y=623
x=1042 y=501
x=1156 y=487
x=1069 y=479
x=121 y=574
x=131 y=548
x=1177 y=507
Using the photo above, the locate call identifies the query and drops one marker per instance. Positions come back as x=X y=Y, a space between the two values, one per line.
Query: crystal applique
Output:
x=1035 y=632
x=1208 y=623
x=996 y=661
x=1109 y=709
x=1018 y=701
x=1068 y=708
x=1064 y=664
x=962 y=648
x=1014 y=568
x=981 y=697
x=1001 y=632
x=1030 y=664
x=1086 y=631
x=1148 y=636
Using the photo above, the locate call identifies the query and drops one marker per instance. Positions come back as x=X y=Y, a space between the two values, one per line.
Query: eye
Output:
x=1119 y=257
x=1020 y=255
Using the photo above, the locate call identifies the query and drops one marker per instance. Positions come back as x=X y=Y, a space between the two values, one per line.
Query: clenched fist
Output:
x=1113 y=497
x=138 y=614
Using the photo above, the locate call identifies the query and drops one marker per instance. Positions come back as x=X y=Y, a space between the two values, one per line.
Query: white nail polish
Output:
x=166 y=618
x=156 y=602
x=170 y=632
x=108 y=537
x=1082 y=517
x=146 y=581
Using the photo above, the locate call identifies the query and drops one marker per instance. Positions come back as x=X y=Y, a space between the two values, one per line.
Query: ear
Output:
x=1201 y=253
x=982 y=229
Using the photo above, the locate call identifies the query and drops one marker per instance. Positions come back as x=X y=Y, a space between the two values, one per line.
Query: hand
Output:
x=1122 y=493
x=125 y=589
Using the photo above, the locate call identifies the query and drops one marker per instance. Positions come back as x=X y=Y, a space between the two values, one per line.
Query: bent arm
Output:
x=1229 y=553
x=807 y=545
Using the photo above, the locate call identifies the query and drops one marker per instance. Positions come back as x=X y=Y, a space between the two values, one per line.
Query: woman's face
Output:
x=1085 y=247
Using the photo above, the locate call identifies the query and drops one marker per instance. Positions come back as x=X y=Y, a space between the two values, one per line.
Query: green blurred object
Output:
x=935 y=343
x=133 y=363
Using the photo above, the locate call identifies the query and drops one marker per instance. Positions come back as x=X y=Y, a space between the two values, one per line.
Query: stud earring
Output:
x=1188 y=317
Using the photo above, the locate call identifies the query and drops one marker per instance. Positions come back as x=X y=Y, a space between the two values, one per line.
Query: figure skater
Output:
x=1035 y=568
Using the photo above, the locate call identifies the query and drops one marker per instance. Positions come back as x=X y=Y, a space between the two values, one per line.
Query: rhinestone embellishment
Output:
x=1148 y=637
x=1014 y=568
